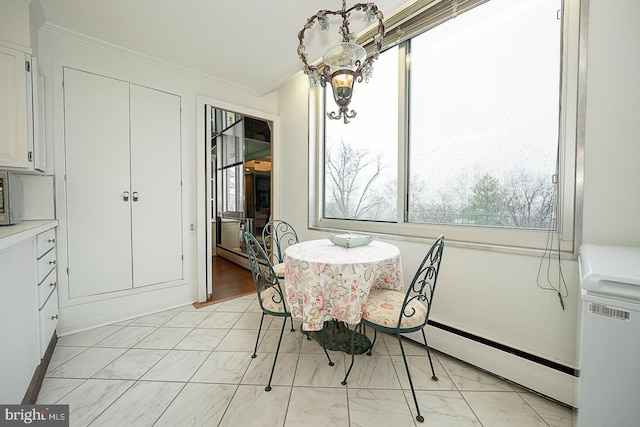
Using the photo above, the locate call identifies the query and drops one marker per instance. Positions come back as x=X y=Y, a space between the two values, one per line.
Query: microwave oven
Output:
x=11 y=198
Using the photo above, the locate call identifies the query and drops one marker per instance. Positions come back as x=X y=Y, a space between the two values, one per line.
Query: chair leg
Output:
x=324 y=348
x=375 y=337
x=419 y=417
x=254 y=355
x=275 y=358
x=353 y=357
x=433 y=371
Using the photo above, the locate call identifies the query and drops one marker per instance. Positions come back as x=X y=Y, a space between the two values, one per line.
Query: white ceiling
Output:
x=250 y=43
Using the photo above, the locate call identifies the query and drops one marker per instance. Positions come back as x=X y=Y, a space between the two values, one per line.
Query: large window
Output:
x=467 y=128
x=484 y=117
x=360 y=161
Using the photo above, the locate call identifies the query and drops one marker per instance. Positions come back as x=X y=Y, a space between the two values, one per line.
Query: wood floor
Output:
x=229 y=280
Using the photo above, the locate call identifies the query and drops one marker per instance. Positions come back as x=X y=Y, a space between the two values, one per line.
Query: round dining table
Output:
x=324 y=281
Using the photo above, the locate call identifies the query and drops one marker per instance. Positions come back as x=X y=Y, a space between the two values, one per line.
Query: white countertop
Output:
x=13 y=234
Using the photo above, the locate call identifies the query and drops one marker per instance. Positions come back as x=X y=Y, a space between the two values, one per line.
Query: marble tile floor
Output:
x=193 y=367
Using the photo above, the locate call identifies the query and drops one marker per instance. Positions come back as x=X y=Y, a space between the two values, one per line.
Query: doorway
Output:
x=231 y=280
x=238 y=187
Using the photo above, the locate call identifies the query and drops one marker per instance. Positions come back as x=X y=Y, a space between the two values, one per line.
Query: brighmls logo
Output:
x=25 y=416
x=36 y=415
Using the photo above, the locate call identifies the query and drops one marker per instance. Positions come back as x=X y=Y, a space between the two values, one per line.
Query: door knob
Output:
x=125 y=196
x=135 y=196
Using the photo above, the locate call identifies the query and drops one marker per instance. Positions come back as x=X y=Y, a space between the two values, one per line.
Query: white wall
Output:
x=494 y=294
x=58 y=49
x=612 y=132
x=14 y=24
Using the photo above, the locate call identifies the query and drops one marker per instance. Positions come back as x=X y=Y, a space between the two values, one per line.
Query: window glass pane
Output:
x=361 y=166
x=231 y=168
x=484 y=99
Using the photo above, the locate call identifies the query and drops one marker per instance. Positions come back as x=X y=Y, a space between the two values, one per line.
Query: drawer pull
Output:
x=52 y=284
x=52 y=262
x=54 y=317
x=52 y=240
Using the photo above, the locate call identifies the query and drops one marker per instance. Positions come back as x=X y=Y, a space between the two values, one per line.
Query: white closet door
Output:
x=156 y=184
x=97 y=176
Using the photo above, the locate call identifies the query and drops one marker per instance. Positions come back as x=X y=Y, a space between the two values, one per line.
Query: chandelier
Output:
x=344 y=63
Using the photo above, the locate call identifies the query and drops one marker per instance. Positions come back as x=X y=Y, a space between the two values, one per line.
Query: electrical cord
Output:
x=560 y=288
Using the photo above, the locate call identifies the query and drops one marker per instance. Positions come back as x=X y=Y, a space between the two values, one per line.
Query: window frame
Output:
x=570 y=163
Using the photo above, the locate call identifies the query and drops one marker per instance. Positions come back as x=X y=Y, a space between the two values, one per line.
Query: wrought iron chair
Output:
x=399 y=313
x=270 y=293
x=277 y=236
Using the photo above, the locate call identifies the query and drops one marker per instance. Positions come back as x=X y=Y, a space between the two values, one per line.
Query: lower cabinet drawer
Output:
x=46 y=287
x=46 y=264
x=48 y=321
x=45 y=241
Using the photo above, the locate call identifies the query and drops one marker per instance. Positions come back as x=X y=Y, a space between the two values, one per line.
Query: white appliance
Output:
x=609 y=384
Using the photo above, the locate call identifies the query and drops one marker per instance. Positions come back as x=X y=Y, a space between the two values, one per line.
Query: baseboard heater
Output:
x=528 y=356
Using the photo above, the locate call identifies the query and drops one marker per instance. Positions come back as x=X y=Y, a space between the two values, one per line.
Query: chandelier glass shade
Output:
x=344 y=63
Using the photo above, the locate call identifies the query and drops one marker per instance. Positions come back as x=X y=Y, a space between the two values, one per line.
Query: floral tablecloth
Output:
x=324 y=281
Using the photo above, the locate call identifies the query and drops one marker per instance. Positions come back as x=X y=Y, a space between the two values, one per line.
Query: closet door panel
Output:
x=97 y=177
x=156 y=186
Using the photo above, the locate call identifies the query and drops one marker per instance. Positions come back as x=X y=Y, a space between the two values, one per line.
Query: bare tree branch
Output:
x=350 y=181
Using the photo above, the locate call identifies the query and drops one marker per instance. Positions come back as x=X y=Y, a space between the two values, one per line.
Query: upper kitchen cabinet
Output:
x=123 y=185
x=22 y=145
x=14 y=135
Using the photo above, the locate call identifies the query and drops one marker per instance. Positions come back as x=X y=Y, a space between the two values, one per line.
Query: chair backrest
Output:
x=262 y=271
x=423 y=285
x=277 y=236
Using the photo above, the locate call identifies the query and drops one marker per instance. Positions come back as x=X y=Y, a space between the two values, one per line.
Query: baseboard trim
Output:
x=81 y=317
x=528 y=356
x=532 y=373
x=197 y=305
x=38 y=376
